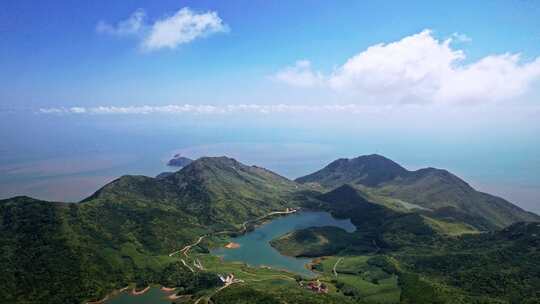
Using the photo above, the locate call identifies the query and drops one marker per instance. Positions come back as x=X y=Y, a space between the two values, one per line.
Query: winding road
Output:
x=186 y=249
x=335 y=265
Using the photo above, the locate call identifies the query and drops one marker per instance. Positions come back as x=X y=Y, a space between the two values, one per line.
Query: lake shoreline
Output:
x=232 y=245
x=255 y=248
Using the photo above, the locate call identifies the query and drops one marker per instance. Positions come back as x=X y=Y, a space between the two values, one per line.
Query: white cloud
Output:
x=218 y=109
x=131 y=26
x=420 y=69
x=77 y=110
x=300 y=75
x=182 y=27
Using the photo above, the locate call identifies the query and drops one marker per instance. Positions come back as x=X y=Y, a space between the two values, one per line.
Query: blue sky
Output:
x=289 y=85
x=52 y=54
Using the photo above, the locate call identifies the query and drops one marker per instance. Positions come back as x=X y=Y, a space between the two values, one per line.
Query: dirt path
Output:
x=186 y=249
x=335 y=265
x=185 y=264
x=244 y=225
x=208 y=298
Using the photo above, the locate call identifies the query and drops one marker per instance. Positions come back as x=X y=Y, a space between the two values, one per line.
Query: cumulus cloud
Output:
x=182 y=27
x=420 y=69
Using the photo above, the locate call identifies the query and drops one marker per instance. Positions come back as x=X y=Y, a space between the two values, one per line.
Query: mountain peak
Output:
x=208 y=164
x=368 y=170
x=218 y=159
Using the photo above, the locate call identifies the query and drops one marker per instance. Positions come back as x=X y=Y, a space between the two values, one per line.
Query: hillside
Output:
x=216 y=191
x=380 y=229
x=124 y=232
x=499 y=267
x=436 y=190
x=368 y=170
x=427 y=260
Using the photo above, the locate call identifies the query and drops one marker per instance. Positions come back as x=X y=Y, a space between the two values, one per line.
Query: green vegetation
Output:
x=361 y=278
x=314 y=242
x=421 y=238
x=64 y=253
x=434 y=261
x=446 y=195
x=248 y=294
x=187 y=282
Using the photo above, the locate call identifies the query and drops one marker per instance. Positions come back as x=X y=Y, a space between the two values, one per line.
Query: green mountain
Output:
x=380 y=228
x=368 y=170
x=434 y=260
x=437 y=191
x=416 y=231
x=66 y=252
x=214 y=191
x=497 y=267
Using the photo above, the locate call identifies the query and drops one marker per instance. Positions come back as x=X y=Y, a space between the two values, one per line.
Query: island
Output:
x=179 y=161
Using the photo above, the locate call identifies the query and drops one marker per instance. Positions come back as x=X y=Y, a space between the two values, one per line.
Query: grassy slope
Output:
x=316 y=241
x=432 y=263
x=261 y=285
x=503 y=266
x=360 y=278
x=438 y=190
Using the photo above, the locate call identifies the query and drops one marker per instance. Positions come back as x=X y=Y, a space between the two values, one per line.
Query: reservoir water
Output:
x=255 y=249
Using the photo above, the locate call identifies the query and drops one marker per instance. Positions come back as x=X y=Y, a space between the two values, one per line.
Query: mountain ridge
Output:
x=429 y=188
x=125 y=231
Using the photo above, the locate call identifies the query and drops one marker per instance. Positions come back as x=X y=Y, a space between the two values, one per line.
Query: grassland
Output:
x=356 y=277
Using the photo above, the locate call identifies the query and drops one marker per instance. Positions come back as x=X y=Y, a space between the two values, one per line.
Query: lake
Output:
x=255 y=249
